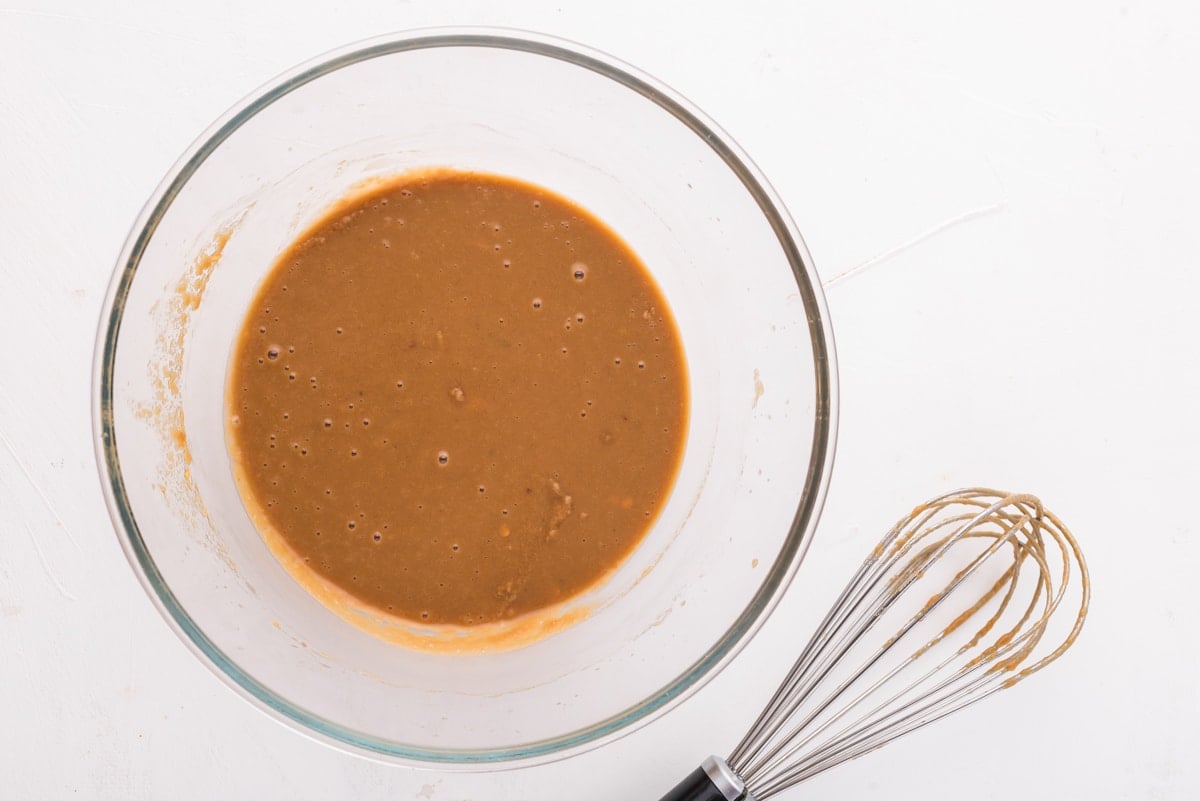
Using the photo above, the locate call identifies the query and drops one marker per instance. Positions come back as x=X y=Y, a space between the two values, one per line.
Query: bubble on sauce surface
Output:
x=273 y=352
x=537 y=303
x=443 y=458
x=579 y=271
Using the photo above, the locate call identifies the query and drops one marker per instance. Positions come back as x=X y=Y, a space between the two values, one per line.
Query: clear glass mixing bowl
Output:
x=724 y=251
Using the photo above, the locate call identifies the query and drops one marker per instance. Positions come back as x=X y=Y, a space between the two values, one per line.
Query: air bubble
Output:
x=377 y=536
x=351 y=525
x=328 y=423
x=273 y=352
x=578 y=270
x=443 y=458
x=537 y=303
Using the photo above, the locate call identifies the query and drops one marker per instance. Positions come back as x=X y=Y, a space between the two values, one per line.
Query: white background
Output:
x=1018 y=184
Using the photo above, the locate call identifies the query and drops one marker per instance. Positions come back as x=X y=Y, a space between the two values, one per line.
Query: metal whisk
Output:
x=965 y=588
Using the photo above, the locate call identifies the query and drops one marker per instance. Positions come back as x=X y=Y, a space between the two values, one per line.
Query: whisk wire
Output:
x=790 y=744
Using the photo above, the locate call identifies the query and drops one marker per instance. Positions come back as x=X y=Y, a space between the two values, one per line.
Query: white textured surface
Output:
x=1010 y=192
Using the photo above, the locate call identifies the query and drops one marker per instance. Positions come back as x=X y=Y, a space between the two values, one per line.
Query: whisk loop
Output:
x=967 y=584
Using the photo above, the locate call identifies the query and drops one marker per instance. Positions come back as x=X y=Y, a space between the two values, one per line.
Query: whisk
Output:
x=968 y=584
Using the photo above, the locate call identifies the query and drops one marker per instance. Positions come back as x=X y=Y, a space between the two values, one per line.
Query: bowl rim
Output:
x=695 y=676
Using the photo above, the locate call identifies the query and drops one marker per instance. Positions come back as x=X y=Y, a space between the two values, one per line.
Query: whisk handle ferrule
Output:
x=714 y=780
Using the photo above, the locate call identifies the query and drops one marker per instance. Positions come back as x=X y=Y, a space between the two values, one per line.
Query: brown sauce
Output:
x=458 y=399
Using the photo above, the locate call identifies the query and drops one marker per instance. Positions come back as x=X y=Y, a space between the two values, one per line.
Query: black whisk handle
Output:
x=714 y=780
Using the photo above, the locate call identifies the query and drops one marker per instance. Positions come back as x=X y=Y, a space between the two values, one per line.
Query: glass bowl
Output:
x=705 y=222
